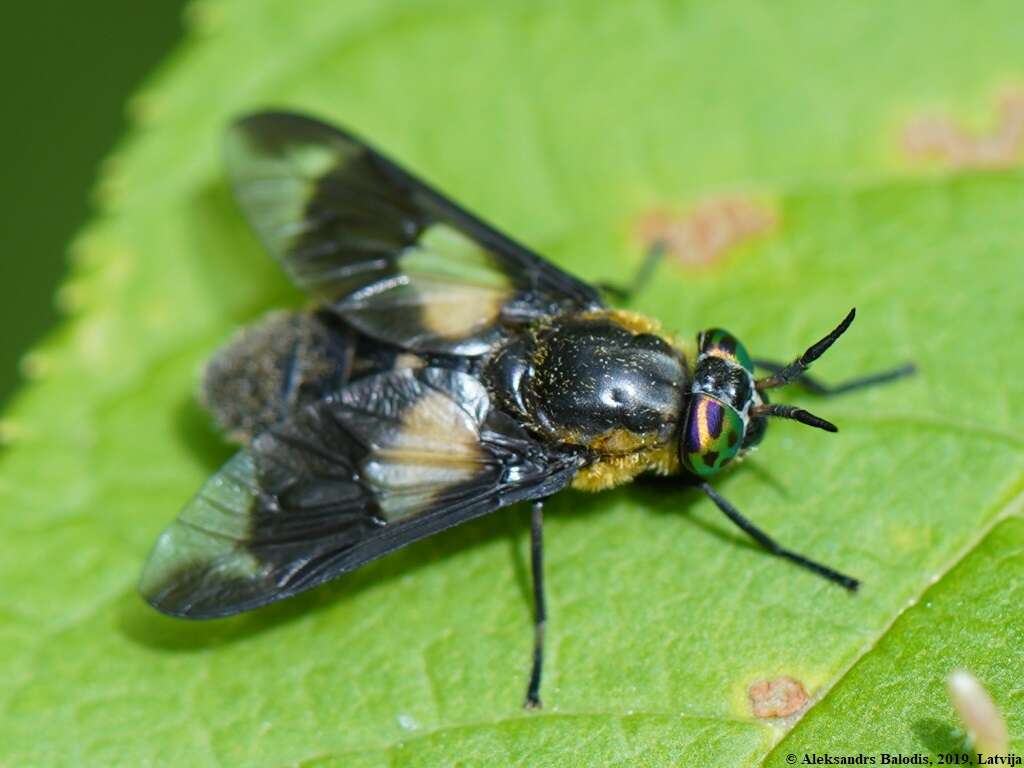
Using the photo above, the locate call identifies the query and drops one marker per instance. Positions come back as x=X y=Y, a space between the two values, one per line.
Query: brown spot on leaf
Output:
x=780 y=697
x=708 y=231
x=938 y=138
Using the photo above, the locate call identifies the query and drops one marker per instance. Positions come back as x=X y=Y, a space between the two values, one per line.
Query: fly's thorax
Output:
x=719 y=424
x=594 y=381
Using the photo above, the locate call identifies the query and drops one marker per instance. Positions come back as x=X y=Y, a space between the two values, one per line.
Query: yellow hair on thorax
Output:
x=610 y=471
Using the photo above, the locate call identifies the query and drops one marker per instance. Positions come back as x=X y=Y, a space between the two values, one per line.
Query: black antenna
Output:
x=802 y=363
x=792 y=412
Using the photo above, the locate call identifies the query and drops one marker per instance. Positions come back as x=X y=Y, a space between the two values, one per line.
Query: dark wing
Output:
x=395 y=258
x=390 y=459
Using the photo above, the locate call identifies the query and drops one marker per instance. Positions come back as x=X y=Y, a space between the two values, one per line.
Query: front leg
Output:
x=539 y=604
x=774 y=547
x=811 y=384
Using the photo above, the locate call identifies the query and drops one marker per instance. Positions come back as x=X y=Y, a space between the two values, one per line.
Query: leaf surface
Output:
x=564 y=125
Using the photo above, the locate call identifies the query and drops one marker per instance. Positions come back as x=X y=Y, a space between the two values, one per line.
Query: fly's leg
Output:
x=643 y=275
x=774 y=547
x=539 y=604
x=817 y=387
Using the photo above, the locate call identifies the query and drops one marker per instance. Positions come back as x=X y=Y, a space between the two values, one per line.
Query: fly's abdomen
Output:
x=288 y=360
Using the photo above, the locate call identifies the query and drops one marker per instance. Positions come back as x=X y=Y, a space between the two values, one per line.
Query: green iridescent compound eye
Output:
x=721 y=343
x=712 y=436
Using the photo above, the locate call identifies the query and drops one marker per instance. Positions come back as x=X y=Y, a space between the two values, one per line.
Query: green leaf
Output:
x=969 y=619
x=564 y=124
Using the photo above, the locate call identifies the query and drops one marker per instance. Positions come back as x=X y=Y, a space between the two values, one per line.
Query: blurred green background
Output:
x=66 y=70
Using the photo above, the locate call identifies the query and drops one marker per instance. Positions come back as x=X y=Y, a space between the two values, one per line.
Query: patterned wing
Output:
x=391 y=255
x=390 y=459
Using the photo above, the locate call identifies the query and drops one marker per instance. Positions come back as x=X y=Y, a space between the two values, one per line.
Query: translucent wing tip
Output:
x=199 y=567
x=161 y=580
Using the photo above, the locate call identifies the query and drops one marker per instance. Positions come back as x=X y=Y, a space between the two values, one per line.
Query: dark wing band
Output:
x=397 y=259
x=389 y=460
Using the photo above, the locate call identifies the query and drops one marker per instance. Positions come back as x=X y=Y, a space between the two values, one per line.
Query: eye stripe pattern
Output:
x=712 y=435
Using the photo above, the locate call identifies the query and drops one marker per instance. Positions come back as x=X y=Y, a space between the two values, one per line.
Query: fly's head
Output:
x=727 y=409
x=720 y=422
